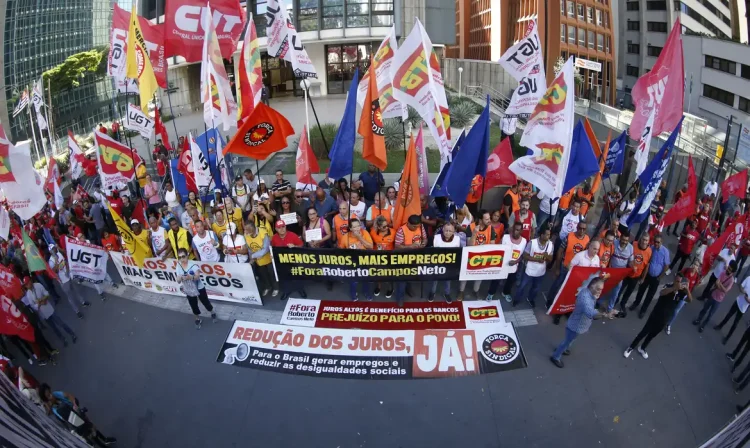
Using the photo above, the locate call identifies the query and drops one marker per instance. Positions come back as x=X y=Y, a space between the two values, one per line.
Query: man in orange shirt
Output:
x=357 y=238
x=607 y=248
x=411 y=235
x=511 y=202
x=475 y=194
x=586 y=196
x=564 y=204
x=383 y=238
x=341 y=222
x=641 y=259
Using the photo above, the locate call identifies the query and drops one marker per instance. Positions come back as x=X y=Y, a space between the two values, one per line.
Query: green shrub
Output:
x=462 y=114
x=329 y=131
x=394 y=134
x=414 y=118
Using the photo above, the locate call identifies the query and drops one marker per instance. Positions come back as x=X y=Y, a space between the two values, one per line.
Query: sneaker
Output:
x=31 y=361
x=669 y=330
x=460 y=296
x=42 y=363
x=274 y=293
x=729 y=357
x=109 y=441
x=431 y=297
x=557 y=362
x=115 y=286
x=101 y=296
x=265 y=292
x=627 y=353
x=700 y=329
x=284 y=297
x=377 y=291
x=448 y=298
x=198 y=323
x=389 y=294
x=668 y=272
x=80 y=315
x=86 y=304
x=355 y=298
x=696 y=322
x=508 y=298
x=643 y=353
x=566 y=352
x=490 y=297
x=213 y=317
x=369 y=298
x=54 y=352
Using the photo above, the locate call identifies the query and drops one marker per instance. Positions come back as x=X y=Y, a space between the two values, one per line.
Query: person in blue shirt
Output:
x=372 y=181
x=580 y=319
x=325 y=205
x=657 y=269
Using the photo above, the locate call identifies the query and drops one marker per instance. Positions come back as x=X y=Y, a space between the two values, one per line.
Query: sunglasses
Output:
x=285 y=202
x=183 y=257
x=298 y=197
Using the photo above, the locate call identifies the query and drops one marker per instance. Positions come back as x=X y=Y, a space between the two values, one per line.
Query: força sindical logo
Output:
x=500 y=348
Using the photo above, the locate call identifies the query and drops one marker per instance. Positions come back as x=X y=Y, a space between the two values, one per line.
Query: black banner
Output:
x=294 y=264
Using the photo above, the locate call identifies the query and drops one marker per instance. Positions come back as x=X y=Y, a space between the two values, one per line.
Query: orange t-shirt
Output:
x=565 y=200
x=515 y=198
x=341 y=226
x=585 y=205
x=383 y=242
x=384 y=212
x=481 y=237
x=575 y=245
x=351 y=242
x=641 y=258
x=605 y=254
x=412 y=236
x=476 y=190
x=111 y=243
x=499 y=231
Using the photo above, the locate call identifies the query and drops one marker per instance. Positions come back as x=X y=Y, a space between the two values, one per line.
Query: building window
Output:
x=382 y=13
x=634 y=25
x=721 y=64
x=634 y=48
x=698 y=17
x=259 y=17
x=571 y=9
x=745 y=71
x=591 y=39
x=599 y=42
x=582 y=37
x=562 y=33
x=633 y=6
x=719 y=95
x=606 y=44
x=308 y=15
x=562 y=8
x=599 y=17
x=631 y=70
x=571 y=35
x=341 y=62
x=590 y=14
x=654 y=51
x=333 y=14
x=580 y=12
x=357 y=13
x=744 y=105
x=656 y=5
x=659 y=27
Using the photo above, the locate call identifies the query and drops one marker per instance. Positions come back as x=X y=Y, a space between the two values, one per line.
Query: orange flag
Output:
x=407 y=201
x=371 y=127
x=602 y=161
x=263 y=133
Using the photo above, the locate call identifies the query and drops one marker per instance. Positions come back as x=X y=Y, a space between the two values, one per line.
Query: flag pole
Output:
x=307 y=112
x=33 y=133
x=132 y=156
x=403 y=127
x=50 y=131
x=320 y=129
x=211 y=173
x=169 y=96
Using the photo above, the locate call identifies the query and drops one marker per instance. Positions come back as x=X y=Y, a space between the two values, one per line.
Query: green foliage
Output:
x=69 y=74
x=62 y=160
x=394 y=134
x=454 y=100
x=462 y=115
x=414 y=118
x=319 y=148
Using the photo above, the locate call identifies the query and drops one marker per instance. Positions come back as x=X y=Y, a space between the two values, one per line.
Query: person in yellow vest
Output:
x=143 y=235
x=380 y=207
x=220 y=224
x=259 y=245
x=357 y=238
x=179 y=238
x=572 y=244
x=511 y=202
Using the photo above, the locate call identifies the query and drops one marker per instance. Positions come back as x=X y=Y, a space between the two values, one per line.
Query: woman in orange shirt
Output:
x=357 y=238
x=383 y=238
x=497 y=225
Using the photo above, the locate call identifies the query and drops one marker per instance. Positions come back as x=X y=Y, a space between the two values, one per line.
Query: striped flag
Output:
x=22 y=103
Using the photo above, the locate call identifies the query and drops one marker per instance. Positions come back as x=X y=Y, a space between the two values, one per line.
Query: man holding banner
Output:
x=59 y=265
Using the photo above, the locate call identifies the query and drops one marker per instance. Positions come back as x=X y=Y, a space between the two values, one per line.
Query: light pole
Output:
x=460 y=71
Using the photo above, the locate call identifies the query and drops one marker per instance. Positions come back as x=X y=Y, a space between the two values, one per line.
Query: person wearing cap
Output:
x=261 y=194
x=217 y=201
x=144 y=236
x=242 y=196
x=59 y=265
x=235 y=247
x=36 y=297
x=282 y=238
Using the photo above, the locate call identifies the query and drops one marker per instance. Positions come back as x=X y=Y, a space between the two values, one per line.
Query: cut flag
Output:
x=12 y=321
x=438 y=188
x=216 y=92
x=138 y=250
x=262 y=134
x=615 y=159
x=185 y=167
x=161 y=130
x=685 y=206
x=33 y=258
x=498 y=173
x=138 y=64
x=76 y=157
x=471 y=160
x=250 y=87
x=651 y=178
x=341 y=153
x=283 y=41
x=116 y=161
x=305 y=163
x=583 y=162
x=602 y=160
x=644 y=145
x=37 y=98
x=712 y=251
x=734 y=185
x=408 y=200
x=371 y=128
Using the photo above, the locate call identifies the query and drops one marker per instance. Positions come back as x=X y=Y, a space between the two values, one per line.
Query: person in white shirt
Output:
x=624 y=211
x=447 y=238
x=173 y=199
x=251 y=182
x=205 y=243
x=159 y=239
x=725 y=256
x=587 y=258
x=538 y=253
x=571 y=220
x=739 y=307
x=37 y=298
x=235 y=248
x=242 y=196
x=357 y=206
x=59 y=265
x=711 y=188
x=518 y=245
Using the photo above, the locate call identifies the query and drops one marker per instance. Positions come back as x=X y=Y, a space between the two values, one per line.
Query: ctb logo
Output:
x=484 y=260
x=485 y=312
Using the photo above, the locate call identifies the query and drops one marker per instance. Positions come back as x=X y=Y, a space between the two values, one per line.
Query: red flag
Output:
x=12 y=321
x=183 y=34
x=734 y=185
x=263 y=133
x=153 y=35
x=306 y=163
x=185 y=167
x=662 y=88
x=10 y=283
x=713 y=251
x=161 y=130
x=497 y=166
x=565 y=300
x=139 y=212
x=53 y=174
x=686 y=205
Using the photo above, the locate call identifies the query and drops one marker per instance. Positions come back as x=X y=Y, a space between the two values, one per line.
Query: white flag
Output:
x=21 y=184
x=58 y=195
x=381 y=65
x=221 y=164
x=76 y=157
x=548 y=135
x=37 y=97
x=136 y=120
x=126 y=86
x=201 y=169
x=644 y=144
x=216 y=93
x=4 y=223
x=283 y=41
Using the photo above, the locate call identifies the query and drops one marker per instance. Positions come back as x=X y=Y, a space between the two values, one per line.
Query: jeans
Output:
x=612 y=297
x=604 y=218
x=541 y=218
x=477 y=285
x=446 y=286
x=552 y=292
x=366 y=290
x=648 y=287
x=533 y=284
x=265 y=275
x=741 y=264
x=400 y=292
x=707 y=290
x=570 y=336
x=676 y=312
x=734 y=311
x=681 y=257
x=743 y=345
x=69 y=293
x=55 y=322
x=709 y=308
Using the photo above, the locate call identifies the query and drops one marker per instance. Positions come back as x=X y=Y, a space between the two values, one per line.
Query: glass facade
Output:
x=315 y=15
x=40 y=35
x=341 y=60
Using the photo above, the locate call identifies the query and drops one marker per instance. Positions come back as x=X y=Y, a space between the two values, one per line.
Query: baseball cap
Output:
x=134 y=221
x=280 y=224
x=236 y=178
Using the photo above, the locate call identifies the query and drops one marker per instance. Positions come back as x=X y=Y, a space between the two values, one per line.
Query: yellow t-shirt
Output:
x=220 y=229
x=236 y=218
x=140 y=173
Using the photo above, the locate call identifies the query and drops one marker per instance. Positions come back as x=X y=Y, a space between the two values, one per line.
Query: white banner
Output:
x=136 y=120
x=37 y=97
x=381 y=64
x=76 y=157
x=520 y=59
x=201 y=169
x=4 y=223
x=486 y=262
x=283 y=41
x=644 y=145
x=216 y=93
x=231 y=282
x=127 y=86
x=548 y=133
x=22 y=185
x=86 y=261
x=743 y=150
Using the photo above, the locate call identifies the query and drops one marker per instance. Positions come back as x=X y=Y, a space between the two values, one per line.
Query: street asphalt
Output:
x=150 y=379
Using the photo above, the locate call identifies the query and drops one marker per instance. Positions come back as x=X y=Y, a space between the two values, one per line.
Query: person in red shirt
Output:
x=102 y=129
x=111 y=242
x=283 y=238
x=702 y=218
x=115 y=201
x=710 y=235
x=685 y=246
x=692 y=275
x=677 y=196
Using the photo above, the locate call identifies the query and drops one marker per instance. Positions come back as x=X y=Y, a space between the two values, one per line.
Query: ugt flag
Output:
x=651 y=178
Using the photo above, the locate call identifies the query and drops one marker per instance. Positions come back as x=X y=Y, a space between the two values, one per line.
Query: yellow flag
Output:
x=138 y=65
x=137 y=249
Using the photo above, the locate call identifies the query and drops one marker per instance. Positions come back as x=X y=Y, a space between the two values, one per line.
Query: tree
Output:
x=560 y=63
x=75 y=67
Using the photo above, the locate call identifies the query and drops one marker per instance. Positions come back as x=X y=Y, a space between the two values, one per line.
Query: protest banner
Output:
x=367 y=354
x=486 y=262
x=735 y=434
x=579 y=277
x=386 y=316
x=86 y=261
x=12 y=321
x=138 y=121
x=295 y=264
x=231 y=282
x=10 y=283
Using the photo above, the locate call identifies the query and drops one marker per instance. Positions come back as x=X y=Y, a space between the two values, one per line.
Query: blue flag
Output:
x=438 y=188
x=470 y=160
x=616 y=156
x=582 y=163
x=651 y=178
x=342 y=149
